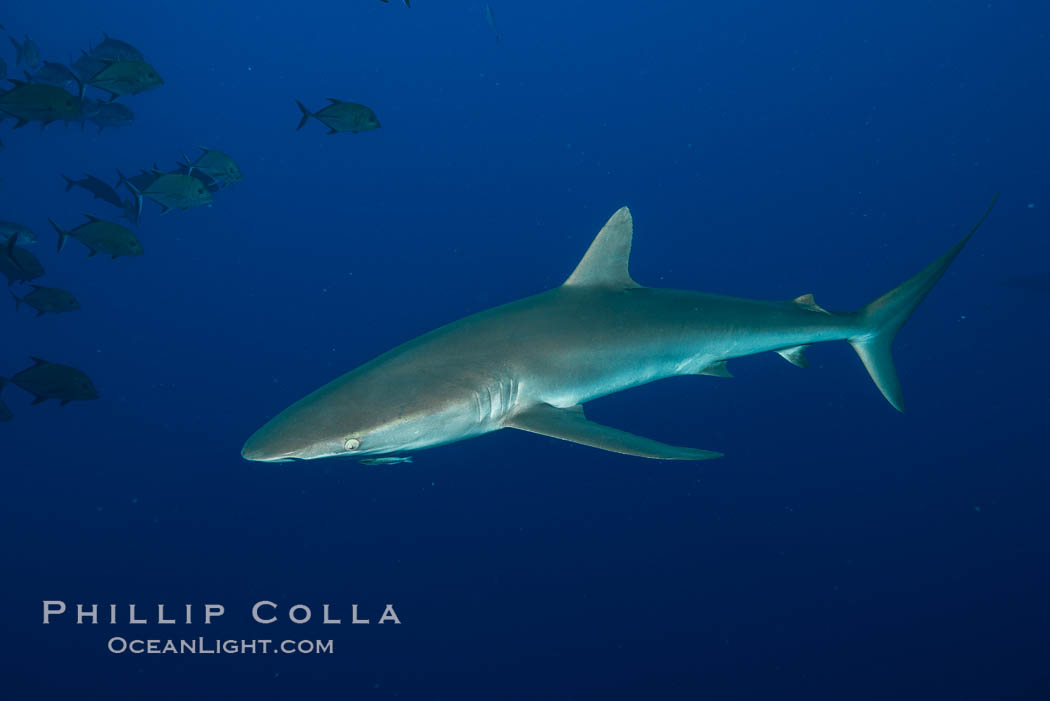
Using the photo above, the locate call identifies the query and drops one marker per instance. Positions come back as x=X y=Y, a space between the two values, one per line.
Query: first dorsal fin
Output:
x=606 y=261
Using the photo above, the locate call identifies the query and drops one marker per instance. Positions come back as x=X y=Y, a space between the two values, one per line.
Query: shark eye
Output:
x=351 y=444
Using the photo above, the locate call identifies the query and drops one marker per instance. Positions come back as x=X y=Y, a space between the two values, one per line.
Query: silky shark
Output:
x=532 y=363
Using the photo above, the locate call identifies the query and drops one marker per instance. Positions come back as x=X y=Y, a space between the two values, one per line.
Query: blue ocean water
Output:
x=839 y=550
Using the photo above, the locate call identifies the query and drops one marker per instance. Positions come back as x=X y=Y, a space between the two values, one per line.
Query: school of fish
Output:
x=52 y=91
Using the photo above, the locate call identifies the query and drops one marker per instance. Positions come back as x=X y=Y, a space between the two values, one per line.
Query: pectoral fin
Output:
x=571 y=425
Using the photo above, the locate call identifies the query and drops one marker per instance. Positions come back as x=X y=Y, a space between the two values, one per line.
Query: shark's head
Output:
x=370 y=411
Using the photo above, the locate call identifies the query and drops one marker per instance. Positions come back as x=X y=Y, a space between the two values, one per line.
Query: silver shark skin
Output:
x=530 y=364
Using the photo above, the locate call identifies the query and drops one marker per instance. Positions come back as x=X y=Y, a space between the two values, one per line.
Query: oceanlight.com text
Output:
x=215 y=646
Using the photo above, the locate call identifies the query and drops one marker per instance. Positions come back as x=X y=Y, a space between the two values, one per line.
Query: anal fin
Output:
x=794 y=355
x=571 y=425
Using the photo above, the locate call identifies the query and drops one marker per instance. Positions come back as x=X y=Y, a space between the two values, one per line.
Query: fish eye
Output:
x=351 y=444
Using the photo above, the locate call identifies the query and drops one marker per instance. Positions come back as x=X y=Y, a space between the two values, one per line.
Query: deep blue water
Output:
x=840 y=550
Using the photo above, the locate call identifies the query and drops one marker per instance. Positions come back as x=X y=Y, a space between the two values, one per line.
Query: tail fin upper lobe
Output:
x=306 y=115
x=884 y=317
x=61 y=235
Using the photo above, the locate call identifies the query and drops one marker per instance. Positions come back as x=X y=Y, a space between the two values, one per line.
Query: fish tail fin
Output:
x=130 y=211
x=10 y=252
x=121 y=180
x=187 y=164
x=61 y=234
x=69 y=182
x=306 y=115
x=881 y=319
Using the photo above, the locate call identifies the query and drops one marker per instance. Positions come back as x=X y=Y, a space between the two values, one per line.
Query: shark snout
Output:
x=260 y=448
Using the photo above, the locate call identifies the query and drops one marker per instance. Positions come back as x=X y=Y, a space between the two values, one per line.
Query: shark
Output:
x=533 y=363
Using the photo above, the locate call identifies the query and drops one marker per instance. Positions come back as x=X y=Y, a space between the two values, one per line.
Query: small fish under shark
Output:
x=531 y=364
x=393 y=460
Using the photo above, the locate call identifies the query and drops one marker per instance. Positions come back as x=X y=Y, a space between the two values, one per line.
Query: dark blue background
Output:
x=767 y=149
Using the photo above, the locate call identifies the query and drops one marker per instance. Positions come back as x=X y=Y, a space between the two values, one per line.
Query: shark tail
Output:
x=884 y=317
x=306 y=115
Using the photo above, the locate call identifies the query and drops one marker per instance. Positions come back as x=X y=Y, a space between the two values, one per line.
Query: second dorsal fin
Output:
x=806 y=301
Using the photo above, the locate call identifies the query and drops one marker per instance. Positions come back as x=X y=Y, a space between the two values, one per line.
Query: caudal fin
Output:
x=10 y=252
x=884 y=317
x=306 y=115
x=61 y=235
x=19 y=51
